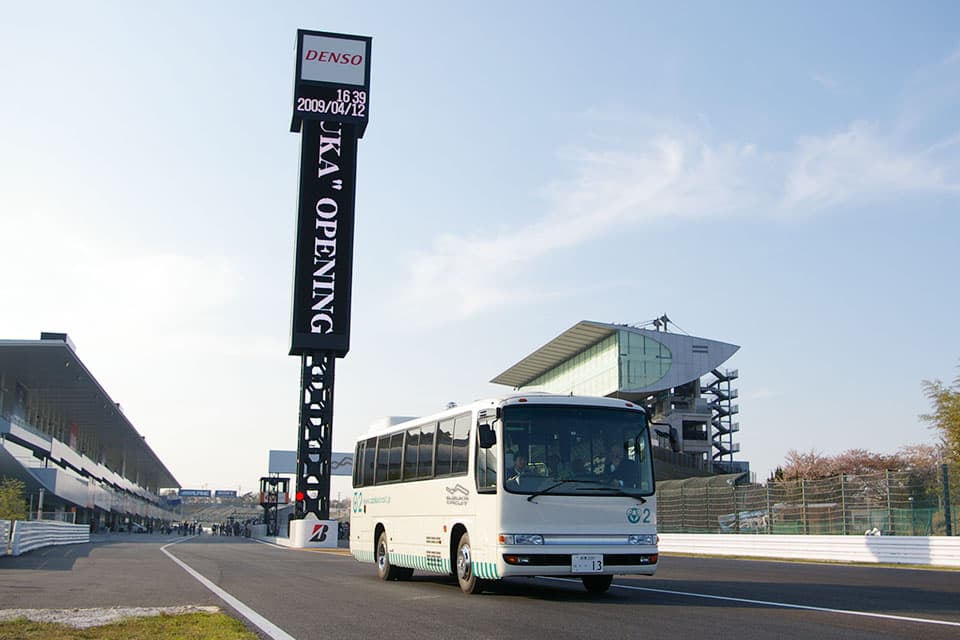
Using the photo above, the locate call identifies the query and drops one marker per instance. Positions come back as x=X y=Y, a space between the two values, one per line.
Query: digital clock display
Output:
x=332 y=78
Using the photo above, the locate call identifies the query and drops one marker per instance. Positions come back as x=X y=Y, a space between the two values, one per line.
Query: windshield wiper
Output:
x=557 y=484
x=615 y=490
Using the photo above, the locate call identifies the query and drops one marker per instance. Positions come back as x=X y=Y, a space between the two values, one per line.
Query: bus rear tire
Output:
x=385 y=570
x=597 y=584
x=468 y=580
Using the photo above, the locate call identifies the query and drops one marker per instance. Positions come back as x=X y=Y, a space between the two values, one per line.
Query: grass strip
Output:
x=189 y=626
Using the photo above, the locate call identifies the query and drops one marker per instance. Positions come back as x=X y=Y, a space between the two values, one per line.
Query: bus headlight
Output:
x=520 y=538
x=644 y=539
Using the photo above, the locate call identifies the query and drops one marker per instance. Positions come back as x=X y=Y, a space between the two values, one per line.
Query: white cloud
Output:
x=857 y=165
x=88 y=283
x=678 y=173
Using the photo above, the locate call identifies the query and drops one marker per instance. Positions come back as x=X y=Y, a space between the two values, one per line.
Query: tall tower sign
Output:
x=331 y=105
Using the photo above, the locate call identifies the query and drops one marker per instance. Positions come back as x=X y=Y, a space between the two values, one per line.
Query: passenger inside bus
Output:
x=621 y=471
x=559 y=470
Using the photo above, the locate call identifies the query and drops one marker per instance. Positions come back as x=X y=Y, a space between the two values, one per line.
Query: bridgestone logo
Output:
x=319 y=533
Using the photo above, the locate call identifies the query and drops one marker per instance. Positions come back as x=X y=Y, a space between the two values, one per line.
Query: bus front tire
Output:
x=385 y=570
x=469 y=582
x=597 y=584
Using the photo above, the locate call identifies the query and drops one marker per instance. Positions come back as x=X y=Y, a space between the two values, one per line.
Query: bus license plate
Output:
x=586 y=563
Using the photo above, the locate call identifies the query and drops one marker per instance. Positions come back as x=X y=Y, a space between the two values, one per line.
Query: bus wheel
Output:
x=469 y=582
x=597 y=584
x=385 y=570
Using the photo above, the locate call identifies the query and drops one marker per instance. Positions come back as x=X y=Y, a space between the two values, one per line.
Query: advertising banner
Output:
x=332 y=80
x=194 y=493
x=282 y=462
x=341 y=463
x=323 y=270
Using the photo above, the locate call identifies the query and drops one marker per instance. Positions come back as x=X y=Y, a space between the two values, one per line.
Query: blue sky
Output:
x=783 y=178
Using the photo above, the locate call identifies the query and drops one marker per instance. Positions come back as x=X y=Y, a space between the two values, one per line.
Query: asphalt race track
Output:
x=307 y=594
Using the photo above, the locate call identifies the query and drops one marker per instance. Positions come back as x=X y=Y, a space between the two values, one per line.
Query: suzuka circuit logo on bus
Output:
x=457 y=495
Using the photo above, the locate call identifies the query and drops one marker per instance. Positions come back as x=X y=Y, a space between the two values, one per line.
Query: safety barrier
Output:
x=4 y=537
x=917 y=550
x=33 y=534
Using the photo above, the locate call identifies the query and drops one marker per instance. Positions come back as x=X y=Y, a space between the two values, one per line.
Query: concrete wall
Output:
x=34 y=534
x=933 y=551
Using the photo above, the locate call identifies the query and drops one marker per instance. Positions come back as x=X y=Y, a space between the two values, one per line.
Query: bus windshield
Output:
x=570 y=450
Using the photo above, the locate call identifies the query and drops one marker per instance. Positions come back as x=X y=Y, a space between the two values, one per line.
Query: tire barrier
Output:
x=34 y=534
x=4 y=537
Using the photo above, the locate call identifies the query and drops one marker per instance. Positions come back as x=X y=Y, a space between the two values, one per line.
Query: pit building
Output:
x=68 y=441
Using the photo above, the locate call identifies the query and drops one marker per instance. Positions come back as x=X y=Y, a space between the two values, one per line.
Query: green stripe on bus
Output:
x=433 y=564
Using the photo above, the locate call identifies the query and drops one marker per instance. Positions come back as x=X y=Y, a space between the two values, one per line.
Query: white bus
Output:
x=520 y=485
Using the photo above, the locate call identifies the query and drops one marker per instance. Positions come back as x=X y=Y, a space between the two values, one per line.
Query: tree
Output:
x=13 y=506
x=922 y=463
x=920 y=460
x=806 y=465
x=945 y=416
x=777 y=475
x=855 y=462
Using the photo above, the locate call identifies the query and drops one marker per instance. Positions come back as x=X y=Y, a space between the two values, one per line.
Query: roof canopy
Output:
x=692 y=356
x=574 y=340
x=51 y=369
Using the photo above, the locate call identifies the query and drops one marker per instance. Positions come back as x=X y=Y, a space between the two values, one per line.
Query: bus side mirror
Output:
x=488 y=437
x=670 y=435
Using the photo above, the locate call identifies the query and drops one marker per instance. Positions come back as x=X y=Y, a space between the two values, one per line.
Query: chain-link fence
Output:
x=902 y=503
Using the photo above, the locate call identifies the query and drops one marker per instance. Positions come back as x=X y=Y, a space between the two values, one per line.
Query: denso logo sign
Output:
x=338 y=60
x=333 y=57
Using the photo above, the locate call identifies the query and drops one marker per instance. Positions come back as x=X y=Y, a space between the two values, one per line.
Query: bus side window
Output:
x=444 y=460
x=461 y=444
x=357 y=466
x=369 y=463
x=396 y=457
x=410 y=454
x=425 y=464
x=486 y=469
x=383 y=459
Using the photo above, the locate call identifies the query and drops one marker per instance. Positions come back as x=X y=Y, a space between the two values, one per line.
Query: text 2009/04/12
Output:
x=332 y=107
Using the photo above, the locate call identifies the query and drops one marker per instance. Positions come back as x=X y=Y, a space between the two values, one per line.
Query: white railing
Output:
x=34 y=534
x=934 y=550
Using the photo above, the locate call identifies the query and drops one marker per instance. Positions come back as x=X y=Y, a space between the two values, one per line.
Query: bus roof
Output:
x=398 y=423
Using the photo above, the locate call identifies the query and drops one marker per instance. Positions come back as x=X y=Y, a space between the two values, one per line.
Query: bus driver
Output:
x=519 y=468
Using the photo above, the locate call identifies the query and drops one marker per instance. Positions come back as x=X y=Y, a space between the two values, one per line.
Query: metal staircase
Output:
x=723 y=410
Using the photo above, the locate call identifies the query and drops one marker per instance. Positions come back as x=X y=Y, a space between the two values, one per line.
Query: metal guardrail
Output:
x=917 y=550
x=4 y=537
x=34 y=534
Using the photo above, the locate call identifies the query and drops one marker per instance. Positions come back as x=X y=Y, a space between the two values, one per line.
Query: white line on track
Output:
x=270 y=544
x=255 y=618
x=331 y=551
x=782 y=605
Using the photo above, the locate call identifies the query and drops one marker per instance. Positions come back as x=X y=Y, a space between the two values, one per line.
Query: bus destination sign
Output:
x=332 y=79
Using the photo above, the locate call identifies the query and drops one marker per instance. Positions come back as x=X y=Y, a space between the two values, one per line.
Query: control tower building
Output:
x=677 y=377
